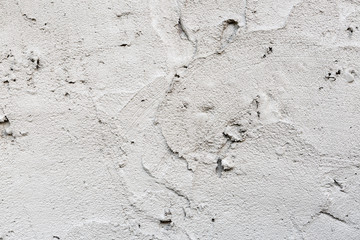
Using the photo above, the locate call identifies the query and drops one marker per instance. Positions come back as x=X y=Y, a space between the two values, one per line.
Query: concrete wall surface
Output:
x=179 y=119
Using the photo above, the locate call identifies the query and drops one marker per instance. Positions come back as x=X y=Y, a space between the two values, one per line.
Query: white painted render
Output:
x=187 y=119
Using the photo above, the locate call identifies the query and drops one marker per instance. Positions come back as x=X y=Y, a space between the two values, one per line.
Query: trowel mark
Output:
x=230 y=28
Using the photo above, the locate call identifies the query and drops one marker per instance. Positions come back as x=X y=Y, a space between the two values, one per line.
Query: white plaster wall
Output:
x=179 y=119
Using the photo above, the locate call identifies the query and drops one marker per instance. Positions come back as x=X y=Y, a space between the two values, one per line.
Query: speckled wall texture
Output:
x=179 y=119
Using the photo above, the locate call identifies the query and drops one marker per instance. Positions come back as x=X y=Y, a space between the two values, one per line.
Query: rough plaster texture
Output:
x=188 y=119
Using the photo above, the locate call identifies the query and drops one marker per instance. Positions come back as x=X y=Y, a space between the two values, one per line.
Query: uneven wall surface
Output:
x=187 y=119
